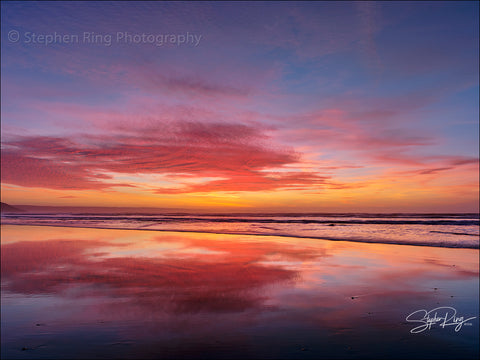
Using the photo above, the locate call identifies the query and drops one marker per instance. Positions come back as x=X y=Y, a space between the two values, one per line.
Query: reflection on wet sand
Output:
x=70 y=293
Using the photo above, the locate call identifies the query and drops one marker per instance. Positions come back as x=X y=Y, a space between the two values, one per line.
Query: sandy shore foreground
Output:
x=91 y=293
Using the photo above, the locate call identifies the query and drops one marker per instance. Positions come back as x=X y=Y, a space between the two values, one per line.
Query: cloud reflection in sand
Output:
x=149 y=287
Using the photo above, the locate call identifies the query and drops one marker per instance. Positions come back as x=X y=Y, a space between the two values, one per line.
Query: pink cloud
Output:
x=154 y=81
x=242 y=154
x=438 y=164
x=21 y=169
x=256 y=181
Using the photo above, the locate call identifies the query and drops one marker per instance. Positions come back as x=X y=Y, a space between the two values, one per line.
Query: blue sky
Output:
x=333 y=106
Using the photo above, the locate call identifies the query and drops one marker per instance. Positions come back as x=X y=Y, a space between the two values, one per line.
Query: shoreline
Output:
x=365 y=241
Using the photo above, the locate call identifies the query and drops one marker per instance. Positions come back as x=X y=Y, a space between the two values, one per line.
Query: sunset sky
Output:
x=310 y=106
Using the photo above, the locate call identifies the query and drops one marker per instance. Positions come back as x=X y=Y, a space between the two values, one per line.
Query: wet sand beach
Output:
x=96 y=293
